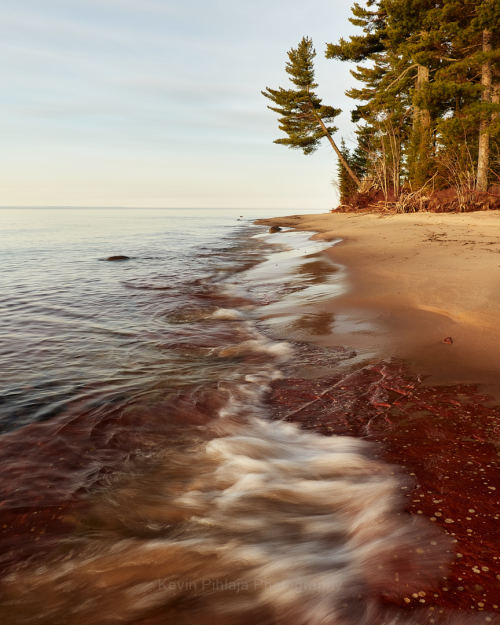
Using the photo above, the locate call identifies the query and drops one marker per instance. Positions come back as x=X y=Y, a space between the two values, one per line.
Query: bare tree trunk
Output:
x=421 y=116
x=334 y=146
x=483 y=155
x=339 y=154
x=395 y=143
x=420 y=143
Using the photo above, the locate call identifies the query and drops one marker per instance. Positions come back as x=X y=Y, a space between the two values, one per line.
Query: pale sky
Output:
x=157 y=102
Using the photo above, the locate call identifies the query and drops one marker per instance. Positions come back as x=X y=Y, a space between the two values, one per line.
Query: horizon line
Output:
x=58 y=206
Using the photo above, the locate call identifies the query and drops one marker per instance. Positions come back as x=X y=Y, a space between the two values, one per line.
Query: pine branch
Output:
x=401 y=76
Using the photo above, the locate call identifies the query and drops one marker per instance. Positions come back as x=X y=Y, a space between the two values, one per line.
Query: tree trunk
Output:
x=420 y=152
x=483 y=155
x=421 y=116
x=337 y=151
x=332 y=143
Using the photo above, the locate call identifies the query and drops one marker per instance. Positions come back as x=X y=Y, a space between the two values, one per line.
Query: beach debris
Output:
x=117 y=257
x=448 y=340
x=273 y=229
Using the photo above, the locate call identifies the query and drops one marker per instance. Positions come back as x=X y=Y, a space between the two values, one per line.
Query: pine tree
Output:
x=303 y=118
x=427 y=99
x=412 y=35
x=465 y=85
x=484 y=125
x=384 y=94
x=347 y=187
x=359 y=156
x=429 y=76
x=488 y=20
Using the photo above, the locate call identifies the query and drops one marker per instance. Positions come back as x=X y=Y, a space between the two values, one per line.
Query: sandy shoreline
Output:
x=414 y=280
x=410 y=281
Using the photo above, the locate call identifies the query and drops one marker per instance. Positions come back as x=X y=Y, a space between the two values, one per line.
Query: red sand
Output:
x=445 y=437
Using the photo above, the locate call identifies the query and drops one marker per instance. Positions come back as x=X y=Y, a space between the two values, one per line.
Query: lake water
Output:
x=72 y=323
x=145 y=475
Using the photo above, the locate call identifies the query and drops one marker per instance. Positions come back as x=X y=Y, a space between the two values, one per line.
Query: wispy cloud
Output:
x=102 y=78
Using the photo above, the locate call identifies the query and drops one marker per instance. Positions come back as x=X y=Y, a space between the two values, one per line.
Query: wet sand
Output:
x=414 y=280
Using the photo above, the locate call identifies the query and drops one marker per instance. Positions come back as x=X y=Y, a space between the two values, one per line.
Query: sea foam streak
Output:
x=228 y=314
x=262 y=523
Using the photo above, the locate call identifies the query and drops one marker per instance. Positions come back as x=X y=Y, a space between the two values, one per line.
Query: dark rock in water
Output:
x=118 y=257
x=274 y=229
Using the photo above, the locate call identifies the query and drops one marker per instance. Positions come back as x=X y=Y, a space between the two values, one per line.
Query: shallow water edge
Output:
x=265 y=489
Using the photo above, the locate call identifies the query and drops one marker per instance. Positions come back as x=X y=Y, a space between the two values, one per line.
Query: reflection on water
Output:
x=317 y=324
x=317 y=271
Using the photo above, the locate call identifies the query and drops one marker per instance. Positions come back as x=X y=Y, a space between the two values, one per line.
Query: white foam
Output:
x=262 y=520
x=280 y=350
x=227 y=313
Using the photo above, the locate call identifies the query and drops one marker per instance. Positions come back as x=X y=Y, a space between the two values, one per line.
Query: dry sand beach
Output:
x=415 y=280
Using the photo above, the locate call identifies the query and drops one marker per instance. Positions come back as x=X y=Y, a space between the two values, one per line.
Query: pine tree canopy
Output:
x=427 y=73
x=300 y=110
x=426 y=102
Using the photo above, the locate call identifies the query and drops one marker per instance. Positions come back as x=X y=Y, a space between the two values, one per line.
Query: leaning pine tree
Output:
x=303 y=118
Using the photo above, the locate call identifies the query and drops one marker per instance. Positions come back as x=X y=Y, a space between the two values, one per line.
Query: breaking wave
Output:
x=261 y=522
x=226 y=313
